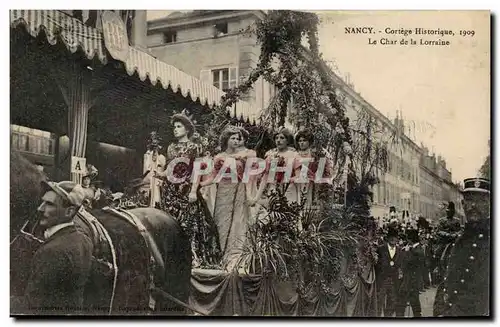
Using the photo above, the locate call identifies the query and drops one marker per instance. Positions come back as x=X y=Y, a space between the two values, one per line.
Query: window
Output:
x=221 y=78
x=31 y=140
x=23 y=144
x=170 y=37
x=16 y=139
x=220 y=29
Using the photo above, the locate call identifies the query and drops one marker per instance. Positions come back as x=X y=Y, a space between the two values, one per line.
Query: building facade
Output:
x=398 y=185
x=212 y=45
x=437 y=188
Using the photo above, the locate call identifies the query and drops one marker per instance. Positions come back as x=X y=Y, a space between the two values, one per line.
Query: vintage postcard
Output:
x=250 y=163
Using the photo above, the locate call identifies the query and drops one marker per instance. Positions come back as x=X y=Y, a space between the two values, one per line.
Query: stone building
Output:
x=212 y=46
x=437 y=188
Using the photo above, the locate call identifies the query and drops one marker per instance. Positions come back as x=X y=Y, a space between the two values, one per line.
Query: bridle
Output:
x=27 y=234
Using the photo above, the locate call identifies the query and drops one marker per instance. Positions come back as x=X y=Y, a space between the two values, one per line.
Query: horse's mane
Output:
x=25 y=189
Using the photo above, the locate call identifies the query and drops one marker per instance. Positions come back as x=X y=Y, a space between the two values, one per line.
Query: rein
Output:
x=23 y=233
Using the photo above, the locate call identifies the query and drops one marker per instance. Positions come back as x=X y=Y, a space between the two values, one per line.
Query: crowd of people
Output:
x=455 y=259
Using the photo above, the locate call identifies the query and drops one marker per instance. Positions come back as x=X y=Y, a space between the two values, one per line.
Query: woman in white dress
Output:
x=282 y=155
x=231 y=209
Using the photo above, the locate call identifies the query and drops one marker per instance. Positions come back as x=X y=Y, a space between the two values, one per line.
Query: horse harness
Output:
x=105 y=250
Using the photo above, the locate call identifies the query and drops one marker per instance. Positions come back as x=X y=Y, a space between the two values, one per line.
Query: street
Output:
x=426 y=301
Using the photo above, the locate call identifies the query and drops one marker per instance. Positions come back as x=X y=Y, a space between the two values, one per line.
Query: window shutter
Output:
x=233 y=77
x=258 y=93
x=206 y=76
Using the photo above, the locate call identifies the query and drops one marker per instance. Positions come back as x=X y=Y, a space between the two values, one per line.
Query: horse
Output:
x=25 y=190
x=141 y=261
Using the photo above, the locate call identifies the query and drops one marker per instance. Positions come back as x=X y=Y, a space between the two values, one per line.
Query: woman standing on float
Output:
x=231 y=211
x=308 y=188
x=182 y=199
x=281 y=155
x=249 y=153
x=303 y=142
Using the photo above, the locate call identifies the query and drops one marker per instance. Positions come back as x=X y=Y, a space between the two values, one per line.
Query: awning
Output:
x=76 y=35
x=158 y=71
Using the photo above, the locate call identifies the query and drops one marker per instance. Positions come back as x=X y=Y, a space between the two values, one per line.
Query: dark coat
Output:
x=428 y=256
x=445 y=234
x=465 y=288
x=413 y=270
x=59 y=272
x=387 y=274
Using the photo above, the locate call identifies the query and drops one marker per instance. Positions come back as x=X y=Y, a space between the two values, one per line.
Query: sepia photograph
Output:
x=194 y=163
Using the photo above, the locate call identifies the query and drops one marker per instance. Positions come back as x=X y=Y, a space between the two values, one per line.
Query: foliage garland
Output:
x=307 y=97
x=301 y=78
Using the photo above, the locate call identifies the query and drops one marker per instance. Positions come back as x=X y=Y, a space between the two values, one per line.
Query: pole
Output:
x=346 y=180
x=152 y=180
x=57 y=157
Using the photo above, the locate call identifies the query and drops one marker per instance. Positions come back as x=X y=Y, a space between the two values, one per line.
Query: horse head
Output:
x=25 y=194
x=25 y=191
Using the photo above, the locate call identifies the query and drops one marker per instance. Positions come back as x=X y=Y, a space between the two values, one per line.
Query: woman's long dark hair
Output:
x=226 y=135
x=288 y=135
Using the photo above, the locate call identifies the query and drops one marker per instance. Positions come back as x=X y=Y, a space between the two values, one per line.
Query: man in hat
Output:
x=425 y=241
x=393 y=218
x=61 y=266
x=413 y=281
x=447 y=232
x=465 y=287
x=389 y=273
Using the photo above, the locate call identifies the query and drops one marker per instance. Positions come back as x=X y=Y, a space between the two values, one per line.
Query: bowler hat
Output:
x=68 y=190
x=392 y=232
x=412 y=235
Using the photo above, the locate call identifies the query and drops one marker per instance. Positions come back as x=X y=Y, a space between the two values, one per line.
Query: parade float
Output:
x=325 y=267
